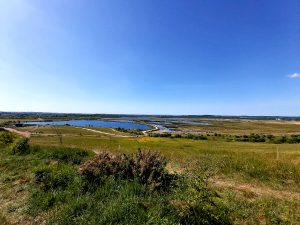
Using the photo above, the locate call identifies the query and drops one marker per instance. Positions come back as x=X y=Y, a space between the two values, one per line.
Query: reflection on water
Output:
x=96 y=123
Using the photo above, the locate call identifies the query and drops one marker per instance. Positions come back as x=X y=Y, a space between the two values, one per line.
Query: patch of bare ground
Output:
x=22 y=133
x=254 y=190
x=174 y=169
x=105 y=133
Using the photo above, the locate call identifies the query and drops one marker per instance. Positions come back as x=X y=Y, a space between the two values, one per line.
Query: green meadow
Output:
x=221 y=182
x=243 y=127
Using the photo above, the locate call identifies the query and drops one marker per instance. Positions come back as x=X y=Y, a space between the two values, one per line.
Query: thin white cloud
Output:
x=294 y=75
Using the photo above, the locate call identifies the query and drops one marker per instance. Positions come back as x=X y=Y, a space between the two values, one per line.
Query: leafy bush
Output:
x=146 y=167
x=294 y=139
x=106 y=164
x=280 y=140
x=53 y=176
x=6 y=138
x=21 y=147
x=149 y=168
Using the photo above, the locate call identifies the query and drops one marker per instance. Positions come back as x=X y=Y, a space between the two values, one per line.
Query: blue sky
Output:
x=150 y=57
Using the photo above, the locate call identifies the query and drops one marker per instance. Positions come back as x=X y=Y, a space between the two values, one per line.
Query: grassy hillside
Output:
x=246 y=183
x=259 y=161
x=45 y=186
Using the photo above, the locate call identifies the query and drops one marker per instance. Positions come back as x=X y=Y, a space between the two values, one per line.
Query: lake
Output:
x=96 y=123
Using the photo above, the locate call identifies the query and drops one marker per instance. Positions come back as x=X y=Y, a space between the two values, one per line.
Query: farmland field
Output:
x=243 y=127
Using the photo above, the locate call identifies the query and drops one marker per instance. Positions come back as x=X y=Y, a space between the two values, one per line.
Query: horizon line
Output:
x=132 y=114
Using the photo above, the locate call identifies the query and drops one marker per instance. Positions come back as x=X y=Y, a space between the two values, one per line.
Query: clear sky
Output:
x=229 y=57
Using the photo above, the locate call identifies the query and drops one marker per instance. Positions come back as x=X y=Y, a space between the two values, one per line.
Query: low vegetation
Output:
x=186 y=136
x=214 y=181
x=145 y=167
x=292 y=139
x=135 y=132
x=21 y=146
x=236 y=126
x=108 y=188
x=6 y=137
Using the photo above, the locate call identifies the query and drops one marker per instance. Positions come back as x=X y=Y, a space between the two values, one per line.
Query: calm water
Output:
x=96 y=123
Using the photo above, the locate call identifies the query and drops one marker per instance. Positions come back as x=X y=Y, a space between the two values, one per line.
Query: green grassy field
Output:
x=108 y=130
x=69 y=130
x=243 y=127
x=257 y=183
x=231 y=158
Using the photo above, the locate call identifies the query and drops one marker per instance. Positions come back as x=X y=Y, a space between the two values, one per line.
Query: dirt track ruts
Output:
x=22 y=133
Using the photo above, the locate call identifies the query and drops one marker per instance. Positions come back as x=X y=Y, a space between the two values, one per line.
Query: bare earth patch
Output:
x=256 y=190
x=22 y=133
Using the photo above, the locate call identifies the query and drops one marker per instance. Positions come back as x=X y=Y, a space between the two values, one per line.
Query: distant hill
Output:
x=47 y=115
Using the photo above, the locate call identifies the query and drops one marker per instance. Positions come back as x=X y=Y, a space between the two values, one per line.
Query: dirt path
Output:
x=110 y=134
x=22 y=133
x=27 y=134
x=256 y=189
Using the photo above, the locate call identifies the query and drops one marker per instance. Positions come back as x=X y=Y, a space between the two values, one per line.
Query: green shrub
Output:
x=149 y=168
x=146 y=167
x=188 y=136
x=53 y=176
x=21 y=147
x=280 y=140
x=294 y=139
x=160 y=135
x=136 y=132
x=106 y=164
x=6 y=138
